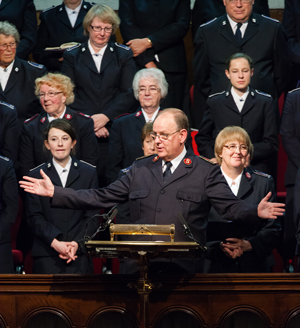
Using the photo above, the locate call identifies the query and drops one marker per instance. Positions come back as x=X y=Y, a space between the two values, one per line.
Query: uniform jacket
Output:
x=54 y=30
x=263 y=237
x=125 y=148
x=22 y=14
x=165 y=23
x=257 y=117
x=9 y=144
x=32 y=152
x=190 y=190
x=290 y=134
x=108 y=92
x=8 y=198
x=19 y=90
x=65 y=225
x=270 y=63
x=206 y=10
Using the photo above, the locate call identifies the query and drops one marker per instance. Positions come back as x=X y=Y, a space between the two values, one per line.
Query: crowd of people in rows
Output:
x=92 y=113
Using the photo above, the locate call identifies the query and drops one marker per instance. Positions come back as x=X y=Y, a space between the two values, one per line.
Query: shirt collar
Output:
x=229 y=180
x=236 y=97
x=76 y=10
x=8 y=68
x=147 y=119
x=93 y=52
x=176 y=161
x=233 y=25
x=51 y=118
x=59 y=168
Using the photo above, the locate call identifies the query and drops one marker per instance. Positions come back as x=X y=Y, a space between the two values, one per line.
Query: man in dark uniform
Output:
x=17 y=76
x=22 y=14
x=8 y=212
x=206 y=10
x=260 y=37
x=8 y=131
x=158 y=187
x=60 y=24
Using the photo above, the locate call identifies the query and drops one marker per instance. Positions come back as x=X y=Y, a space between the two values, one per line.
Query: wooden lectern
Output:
x=143 y=252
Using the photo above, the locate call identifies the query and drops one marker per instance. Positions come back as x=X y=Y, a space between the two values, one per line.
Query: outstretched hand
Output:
x=268 y=210
x=41 y=187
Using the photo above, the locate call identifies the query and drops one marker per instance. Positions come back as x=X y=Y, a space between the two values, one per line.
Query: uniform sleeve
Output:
x=9 y=200
x=269 y=143
x=290 y=141
x=115 y=152
x=29 y=31
x=26 y=153
x=10 y=147
x=289 y=22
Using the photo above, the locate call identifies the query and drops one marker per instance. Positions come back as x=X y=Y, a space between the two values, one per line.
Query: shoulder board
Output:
x=74 y=47
x=36 y=167
x=86 y=163
x=84 y=115
x=126 y=169
x=262 y=174
x=139 y=158
x=208 y=22
x=122 y=46
x=263 y=93
x=294 y=90
x=36 y=65
x=7 y=104
x=4 y=158
x=30 y=119
x=215 y=94
x=270 y=18
x=50 y=8
x=207 y=160
x=125 y=114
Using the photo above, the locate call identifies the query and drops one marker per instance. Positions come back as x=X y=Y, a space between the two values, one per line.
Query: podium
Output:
x=143 y=252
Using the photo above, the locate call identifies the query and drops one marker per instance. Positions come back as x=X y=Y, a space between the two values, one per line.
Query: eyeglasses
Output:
x=12 y=45
x=143 y=90
x=50 y=94
x=241 y=148
x=236 y=1
x=99 y=29
x=163 y=136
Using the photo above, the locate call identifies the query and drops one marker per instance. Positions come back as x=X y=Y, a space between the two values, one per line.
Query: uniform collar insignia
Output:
x=156 y=158
x=43 y=119
x=138 y=113
x=75 y=164
x=17 y=69
x=68 y=116
x=48 y=165
x=248 y=175
x=187 y=161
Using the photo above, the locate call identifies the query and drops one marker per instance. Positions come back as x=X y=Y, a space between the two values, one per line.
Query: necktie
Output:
x=167 y=172
x=238 y=33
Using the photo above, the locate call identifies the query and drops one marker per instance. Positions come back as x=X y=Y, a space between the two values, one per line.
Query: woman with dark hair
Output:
x=241 y=106
x=52 y=228
x=55 y=92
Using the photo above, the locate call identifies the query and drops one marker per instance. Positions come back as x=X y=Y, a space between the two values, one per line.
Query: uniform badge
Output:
x=84 y=6
x=75 y=164
x=187 y=161
x=48 y=165
x=111 y=49
x=248 y=175
x=254 y=20
x=252 y=93
x=224 y=23
x=43 y=119
x=83 y=49
x=156 y=158
x=17 y=69
x=68 y=116
x=138 y=113
x=60 y=9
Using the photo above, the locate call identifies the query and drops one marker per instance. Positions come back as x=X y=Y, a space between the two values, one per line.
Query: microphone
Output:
x=111 y=217
x=188 y=232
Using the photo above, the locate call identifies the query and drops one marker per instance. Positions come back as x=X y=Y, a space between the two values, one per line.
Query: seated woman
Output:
x=236 y=245
x=150 y=87
x=241 y=106
x=56 y=93
x=9 y=202
x=102 y=72
x=52 y=228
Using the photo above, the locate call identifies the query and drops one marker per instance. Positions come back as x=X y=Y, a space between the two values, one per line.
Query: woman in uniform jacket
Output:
x=150 y=88
x=53 y=227
x=245 y=107
x=237 y=245
x=56 y=94
x=102 y=72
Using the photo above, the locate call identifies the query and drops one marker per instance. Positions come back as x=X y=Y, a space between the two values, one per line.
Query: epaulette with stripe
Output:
x=125 y=114
x=7 y=104
x=122 y=46
x=262 y=174
x=4 y=158
x=263 y=93
x=87 y=163
x=208 y=22
x=30 y=119
x=139 y=158
x=207 y=160
x=216 y=94
x=36 y=65
x=294 y=90
x=126 y=169
x=74 y=47
x=50 y=8
x=36 y=167
x=273 y=19
x=84 y=115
